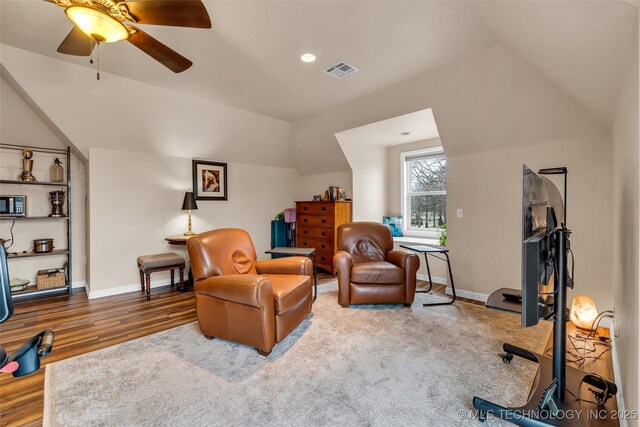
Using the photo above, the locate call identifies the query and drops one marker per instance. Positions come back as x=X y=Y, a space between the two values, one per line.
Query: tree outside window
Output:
x=426 y=186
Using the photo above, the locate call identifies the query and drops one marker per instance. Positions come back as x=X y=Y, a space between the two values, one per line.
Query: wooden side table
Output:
x=181 y=240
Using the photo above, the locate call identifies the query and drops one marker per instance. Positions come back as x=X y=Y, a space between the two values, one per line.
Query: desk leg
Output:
x=426 y=260
x=453 y=286
x=315 y=278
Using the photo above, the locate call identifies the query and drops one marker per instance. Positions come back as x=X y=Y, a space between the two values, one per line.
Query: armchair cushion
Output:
x=247 y=289
x=289 y=265
x=288 y=290
x=376 y=272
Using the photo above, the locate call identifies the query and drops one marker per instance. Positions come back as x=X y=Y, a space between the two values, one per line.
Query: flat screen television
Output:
x=542 y=213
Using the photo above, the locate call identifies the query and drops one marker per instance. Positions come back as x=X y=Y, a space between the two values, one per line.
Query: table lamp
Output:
x=583 y=312
x=189 y=204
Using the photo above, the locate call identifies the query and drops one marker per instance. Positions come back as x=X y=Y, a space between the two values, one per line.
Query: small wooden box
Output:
x=52 y=278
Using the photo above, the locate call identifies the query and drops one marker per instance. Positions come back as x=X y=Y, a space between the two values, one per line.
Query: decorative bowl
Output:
x=18 y=284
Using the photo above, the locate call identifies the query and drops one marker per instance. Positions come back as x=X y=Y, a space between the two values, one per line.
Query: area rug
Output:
x=383 y=365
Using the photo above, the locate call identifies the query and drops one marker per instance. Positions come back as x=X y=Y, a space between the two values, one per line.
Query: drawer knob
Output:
x=324 y=221
x=304 y=231
x=304 y=220
x=324 y=208
x=305 y=208
x=323 y=233
x=322 y=246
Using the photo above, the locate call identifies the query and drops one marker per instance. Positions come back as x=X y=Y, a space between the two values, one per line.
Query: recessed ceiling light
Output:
x=308 y=57
x=405 y=133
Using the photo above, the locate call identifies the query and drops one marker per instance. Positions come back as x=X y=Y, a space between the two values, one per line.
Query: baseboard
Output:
x=434 y=279
x=101 y=293
x=459 y=292
x=616 y=374
x=476 y=296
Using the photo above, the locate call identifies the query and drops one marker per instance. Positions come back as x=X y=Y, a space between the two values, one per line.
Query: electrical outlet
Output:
x=616 y=326
x=459 y=213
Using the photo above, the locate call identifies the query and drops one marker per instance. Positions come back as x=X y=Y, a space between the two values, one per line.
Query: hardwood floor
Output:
x=82 y=325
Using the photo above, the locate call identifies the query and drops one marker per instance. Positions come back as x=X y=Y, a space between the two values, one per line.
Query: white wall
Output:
x=136 y=200
x=369 y=167
x=486 y=243
x=311 y=185
x=21 y=126
x=625 y=229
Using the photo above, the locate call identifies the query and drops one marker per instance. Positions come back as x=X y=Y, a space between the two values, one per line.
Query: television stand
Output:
x=571 y=411
x=555 y=380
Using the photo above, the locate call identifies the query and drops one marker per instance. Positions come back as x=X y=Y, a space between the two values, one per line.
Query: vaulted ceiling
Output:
x=250 y=58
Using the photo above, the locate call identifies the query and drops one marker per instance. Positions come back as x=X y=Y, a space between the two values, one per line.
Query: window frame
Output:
x=405 y=185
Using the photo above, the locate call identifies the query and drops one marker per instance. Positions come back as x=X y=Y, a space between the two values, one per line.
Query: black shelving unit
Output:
x=32 y=292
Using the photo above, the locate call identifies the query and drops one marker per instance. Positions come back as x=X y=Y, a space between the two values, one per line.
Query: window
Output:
x=424 y=191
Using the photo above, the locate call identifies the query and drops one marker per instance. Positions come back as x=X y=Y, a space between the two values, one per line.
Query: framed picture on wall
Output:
x=209 y=180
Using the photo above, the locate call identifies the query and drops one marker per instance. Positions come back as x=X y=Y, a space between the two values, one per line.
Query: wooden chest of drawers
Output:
x=316 y=227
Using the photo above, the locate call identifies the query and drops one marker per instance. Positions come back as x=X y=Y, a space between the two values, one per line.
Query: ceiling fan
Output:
x=103 y=21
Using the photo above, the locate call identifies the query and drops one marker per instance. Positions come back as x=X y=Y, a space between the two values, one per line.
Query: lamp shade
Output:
x=583 y=312
x=97 y=24
x=189 y=202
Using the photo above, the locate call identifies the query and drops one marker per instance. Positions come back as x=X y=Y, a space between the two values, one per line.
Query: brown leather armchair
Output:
x=369 y=270
x=257 y=303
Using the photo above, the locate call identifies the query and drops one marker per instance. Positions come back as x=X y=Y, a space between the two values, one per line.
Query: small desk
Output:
x=181 y=240
x=308 y=252
x=434 y=251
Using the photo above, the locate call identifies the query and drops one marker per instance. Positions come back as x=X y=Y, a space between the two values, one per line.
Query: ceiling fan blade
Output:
x=159 y=51
x=77 y=43
x=176 y=13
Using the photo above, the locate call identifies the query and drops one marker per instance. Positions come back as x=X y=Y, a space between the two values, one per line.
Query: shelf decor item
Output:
x=57 y=203
x=57 y=171
x=189 y=204
x=27 y=167
x=17 y=285
x=41 y=246
x=51 y=278
x=209 y=180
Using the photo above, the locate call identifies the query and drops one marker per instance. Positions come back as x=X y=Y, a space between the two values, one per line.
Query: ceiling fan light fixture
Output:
x=97 y=24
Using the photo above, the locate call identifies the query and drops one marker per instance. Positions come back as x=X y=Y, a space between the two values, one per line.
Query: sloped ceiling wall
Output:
x=583 y=47
x=122 y=114
x=490 y=100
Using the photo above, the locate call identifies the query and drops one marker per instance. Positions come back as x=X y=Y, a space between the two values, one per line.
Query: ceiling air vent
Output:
x=340 y=70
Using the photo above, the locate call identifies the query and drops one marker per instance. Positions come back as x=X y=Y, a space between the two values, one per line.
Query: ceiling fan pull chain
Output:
x=98 y=59
x=91 y=47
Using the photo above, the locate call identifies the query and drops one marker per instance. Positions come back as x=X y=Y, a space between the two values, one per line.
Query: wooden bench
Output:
x=148 y=264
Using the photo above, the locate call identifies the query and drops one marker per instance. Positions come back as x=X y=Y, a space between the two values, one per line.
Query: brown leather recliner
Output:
x=369 y=270
x=257 y=303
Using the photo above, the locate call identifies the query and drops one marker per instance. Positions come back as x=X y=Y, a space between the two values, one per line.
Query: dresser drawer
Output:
x=317 y=208
x=320 y=245
x=315 y=221
x=315 y=233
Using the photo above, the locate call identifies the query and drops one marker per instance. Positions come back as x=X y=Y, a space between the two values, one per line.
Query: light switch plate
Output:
x=459 y=213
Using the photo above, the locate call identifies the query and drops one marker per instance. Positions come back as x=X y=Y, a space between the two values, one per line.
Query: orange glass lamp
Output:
x=189 y=204
x=583 y=312
x=97 y=24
